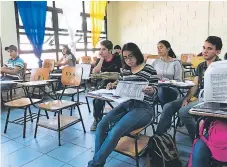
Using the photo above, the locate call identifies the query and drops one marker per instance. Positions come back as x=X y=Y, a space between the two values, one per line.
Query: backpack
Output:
x=217 y=140
x=162 y=152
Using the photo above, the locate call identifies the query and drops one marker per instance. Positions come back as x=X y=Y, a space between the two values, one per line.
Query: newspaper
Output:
x=131 y=89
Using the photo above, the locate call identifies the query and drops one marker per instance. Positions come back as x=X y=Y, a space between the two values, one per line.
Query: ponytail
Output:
x=171 y=53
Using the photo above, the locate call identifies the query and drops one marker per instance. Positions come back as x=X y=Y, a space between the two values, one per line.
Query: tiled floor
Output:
x=76 y=150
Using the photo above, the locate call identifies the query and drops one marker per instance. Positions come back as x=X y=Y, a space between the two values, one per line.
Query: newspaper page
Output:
x=215 y=82
x=131 y=89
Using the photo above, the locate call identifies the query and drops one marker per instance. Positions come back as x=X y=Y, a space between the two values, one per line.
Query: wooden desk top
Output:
x=34 y=83
x=209 y=113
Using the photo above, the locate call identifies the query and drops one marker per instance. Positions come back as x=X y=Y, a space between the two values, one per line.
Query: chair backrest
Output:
x=49 y=63
x=187 y=57
x=39 y=74
x=85 y=60
x=196 y=61
x=153 y=56
x=71 y=76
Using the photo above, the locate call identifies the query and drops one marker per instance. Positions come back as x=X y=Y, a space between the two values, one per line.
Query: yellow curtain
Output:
x=97 y=13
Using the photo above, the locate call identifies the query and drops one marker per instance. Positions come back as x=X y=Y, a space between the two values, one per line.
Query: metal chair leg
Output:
x=7 y=120
x=59 y=129
x=47 y=114
x=36 y=127
x=88 y=105
x=25 y=114
x=137 y=157
x=29 y=108
x=81 y=118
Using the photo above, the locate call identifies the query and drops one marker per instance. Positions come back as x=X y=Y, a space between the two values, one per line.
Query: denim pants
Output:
x=201 y=154
x=98 y=108
x=168 y=112
x=166 y=95
x=120 y=121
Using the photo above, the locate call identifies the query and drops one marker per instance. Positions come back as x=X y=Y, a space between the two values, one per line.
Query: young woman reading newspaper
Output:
x=129 y=115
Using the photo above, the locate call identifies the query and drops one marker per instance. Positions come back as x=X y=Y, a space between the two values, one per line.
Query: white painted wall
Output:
x=184 y=24
x=8 y=26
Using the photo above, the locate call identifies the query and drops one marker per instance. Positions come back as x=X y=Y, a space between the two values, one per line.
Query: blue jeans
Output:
x=7 y=86
x=119 y=122
x=166 y=95
x=201 y=154
x=98 y=108
x=168 y=112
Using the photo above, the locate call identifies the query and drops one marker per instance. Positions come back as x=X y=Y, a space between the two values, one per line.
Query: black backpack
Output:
x=162 y=152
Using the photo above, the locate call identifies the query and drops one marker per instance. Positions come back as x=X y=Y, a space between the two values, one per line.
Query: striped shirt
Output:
x=148 y=73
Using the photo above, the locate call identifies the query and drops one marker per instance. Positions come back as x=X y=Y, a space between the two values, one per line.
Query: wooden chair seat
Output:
x=70 y=91
x=56 y=105
x=126 y=145
x=137 y=131
x=53 y=122
x=22 y=102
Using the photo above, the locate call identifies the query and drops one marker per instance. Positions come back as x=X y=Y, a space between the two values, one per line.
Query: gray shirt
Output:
x=171 y=70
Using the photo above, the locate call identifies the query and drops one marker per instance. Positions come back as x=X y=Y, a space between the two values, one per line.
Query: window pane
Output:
x=30 y=59
x=20 y=21
x=89 y=25
x=49 y=56
x=77 y=5
x=50 y=3
x=49 y=21
x=25 y=43
x=62 y=21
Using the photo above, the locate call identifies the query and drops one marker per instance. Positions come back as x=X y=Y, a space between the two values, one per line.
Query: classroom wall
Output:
x=8 y=31
x=184 y=24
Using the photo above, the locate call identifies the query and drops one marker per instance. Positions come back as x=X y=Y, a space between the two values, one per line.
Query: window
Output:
x=56 y=33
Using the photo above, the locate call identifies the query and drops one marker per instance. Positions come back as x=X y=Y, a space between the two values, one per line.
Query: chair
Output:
x=25 y=103
x=134 y=144
x=186 y=59
x=151 y=58
x=85 y=60
x=70 y=77
x=49 y=63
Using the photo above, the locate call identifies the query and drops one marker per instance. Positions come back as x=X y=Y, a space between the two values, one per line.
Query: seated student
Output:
x=117 y=49
x=225 y=57
x=168 y=68
x=211 y=48
x=14 y=68
x=68 y=59
x=129 y=115
x=106 y=63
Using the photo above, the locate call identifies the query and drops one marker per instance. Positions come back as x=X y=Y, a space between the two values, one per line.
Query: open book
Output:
x=125 y=91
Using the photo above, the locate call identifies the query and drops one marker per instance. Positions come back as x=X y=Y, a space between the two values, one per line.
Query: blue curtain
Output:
x=33 y=16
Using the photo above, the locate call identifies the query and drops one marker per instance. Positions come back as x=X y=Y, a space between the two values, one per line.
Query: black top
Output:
x=111 y=66
x=200 y=70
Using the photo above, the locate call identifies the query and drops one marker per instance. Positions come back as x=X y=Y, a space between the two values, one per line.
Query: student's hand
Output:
x=185 y=103
x=110 y=86
x=148 y=90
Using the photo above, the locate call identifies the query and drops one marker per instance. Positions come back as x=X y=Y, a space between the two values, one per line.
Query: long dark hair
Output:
x=136 y=52
x=168 y=46
x=68 y=52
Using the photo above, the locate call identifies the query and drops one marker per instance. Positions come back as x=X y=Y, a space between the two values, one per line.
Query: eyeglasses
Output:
x=130 y=57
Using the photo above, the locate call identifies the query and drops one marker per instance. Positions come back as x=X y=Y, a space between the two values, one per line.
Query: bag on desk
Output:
x=215 y=82
x=217 y=139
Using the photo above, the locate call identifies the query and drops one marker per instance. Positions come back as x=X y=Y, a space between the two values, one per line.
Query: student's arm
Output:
x=191 y=92
x=59 y=61
x=11 y=71
x=98 y=67
x=178 y=72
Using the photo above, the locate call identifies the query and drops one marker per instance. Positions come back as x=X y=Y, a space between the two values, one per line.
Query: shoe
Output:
x=94 y=125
